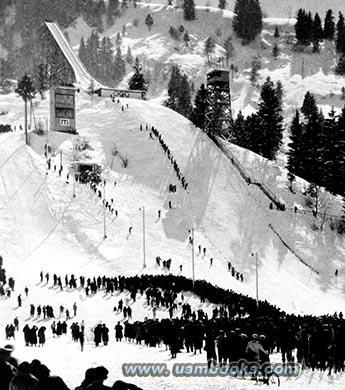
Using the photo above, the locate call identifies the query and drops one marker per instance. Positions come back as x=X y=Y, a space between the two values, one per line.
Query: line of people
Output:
x=157 y=134
x=234 y=273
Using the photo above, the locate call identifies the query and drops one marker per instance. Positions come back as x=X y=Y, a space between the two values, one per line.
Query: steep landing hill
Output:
x=43 y=227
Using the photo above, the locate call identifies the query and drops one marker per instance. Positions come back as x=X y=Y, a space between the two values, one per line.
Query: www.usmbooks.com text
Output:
x=235 y=369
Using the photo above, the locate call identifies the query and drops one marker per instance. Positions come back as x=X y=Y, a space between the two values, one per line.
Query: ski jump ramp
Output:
x=82 y=76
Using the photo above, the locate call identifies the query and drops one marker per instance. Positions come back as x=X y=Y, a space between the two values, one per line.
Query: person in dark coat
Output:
x=16 y=323
x=41 y=336
x=100 y=374
x=33 y=335
x=98 y=334
x=105 y=334
x=49 y=382
x=7 y=371
x=81 y=340
x=89 y=378
x=118 y=332
x=23 y=380
x=210 y=349
x=26 y=331
x=222 y=346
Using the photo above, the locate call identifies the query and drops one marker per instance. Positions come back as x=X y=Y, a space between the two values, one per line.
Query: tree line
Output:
x=317 y=147
x=309 y=30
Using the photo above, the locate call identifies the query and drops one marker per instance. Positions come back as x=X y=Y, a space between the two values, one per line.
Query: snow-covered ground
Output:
x=45 y=225
x=42 y=227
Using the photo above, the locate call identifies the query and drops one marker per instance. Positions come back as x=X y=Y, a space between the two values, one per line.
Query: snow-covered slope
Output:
x=44 y=227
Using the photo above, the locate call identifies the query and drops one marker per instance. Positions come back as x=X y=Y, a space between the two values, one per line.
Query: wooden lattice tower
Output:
x=218 y=115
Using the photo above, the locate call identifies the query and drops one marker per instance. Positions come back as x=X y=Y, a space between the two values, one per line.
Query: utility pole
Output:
x=104 y=219
x=60 y=159
x=144 y=237
x=257 y=279
x=26 y=121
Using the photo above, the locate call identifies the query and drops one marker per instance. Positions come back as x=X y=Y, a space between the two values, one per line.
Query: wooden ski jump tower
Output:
x=218 y=115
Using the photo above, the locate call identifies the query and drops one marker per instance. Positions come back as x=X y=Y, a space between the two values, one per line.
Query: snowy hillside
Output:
x=157 y=51
x=42 y=227
x=231 y=219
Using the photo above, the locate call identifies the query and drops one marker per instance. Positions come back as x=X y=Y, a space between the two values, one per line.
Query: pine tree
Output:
x=179 y=98
x=82 y=53
x=118 y=39
x=6 y=72
x=229 y=49
x=309 y=105
x=254 y=72
x=149 y=21
x=340 y=39
x=173 y=88
x=119 y=67
x=26 y=90
x=275 y=51
x=92 y=53
x=129 y=57
x=42 y=84
x=276 y=32
x=339 y=155
x=105 y=63
x=96 y=15
x=271 y=120
x=329 y=26
x=239 y=134
x=112 y=11
x=200 y=107
x=186 y=38
x=185 y=97
x=188 y=10
x=340 y=68
x=317 y=33
x=247 y=21
x=101 y=7
x=137 y=81
x=210 y=45
x=280 y=93
x=303 y=27
x=312 y=141
x=253 y=137
x=296 y=153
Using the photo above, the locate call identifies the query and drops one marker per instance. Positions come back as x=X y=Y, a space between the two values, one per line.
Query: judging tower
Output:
x=218 y=115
